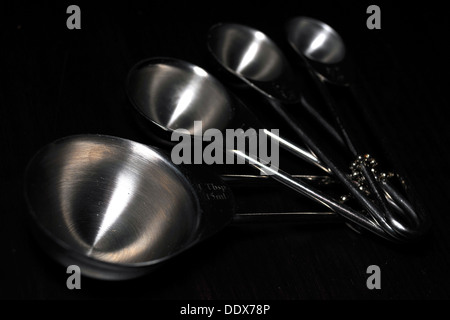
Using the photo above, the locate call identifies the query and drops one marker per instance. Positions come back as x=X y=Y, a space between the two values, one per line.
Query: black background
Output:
x=57 y=82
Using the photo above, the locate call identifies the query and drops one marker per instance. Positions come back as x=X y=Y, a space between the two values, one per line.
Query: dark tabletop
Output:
x=57 y=82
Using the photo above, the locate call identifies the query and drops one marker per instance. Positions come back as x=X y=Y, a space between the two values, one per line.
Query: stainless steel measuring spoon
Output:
x=118 y=209
x=325 y=55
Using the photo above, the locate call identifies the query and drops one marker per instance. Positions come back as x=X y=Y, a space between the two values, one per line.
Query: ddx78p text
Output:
x=235 y=309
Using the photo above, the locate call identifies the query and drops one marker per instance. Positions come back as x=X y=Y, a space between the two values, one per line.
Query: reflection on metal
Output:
x=111 y=199
x=316 y=40
x=174 y=94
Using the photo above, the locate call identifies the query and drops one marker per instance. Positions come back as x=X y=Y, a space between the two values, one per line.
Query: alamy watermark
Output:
x=374 y=20
x=374 y=280
x=236 y=146
x=74 y=280
x=74 y=20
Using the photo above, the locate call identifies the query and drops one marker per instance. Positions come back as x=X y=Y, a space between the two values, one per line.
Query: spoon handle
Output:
x=379 y=217
x=346 y=108
x=293 y=148
x=303 y=188
x=345 y=105
x=325 y=124
x=301 y=217
x=250 y=179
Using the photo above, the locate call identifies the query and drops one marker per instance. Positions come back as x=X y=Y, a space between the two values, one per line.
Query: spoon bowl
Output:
x=172 y=94
x=246 y=51
x=316 y=40
x=253 y=57
x=115 y=207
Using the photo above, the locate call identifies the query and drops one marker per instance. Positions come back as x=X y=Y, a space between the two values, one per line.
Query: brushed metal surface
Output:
x=316 y=40
x=246 y=51
x=111 y=199
x=173 y=94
